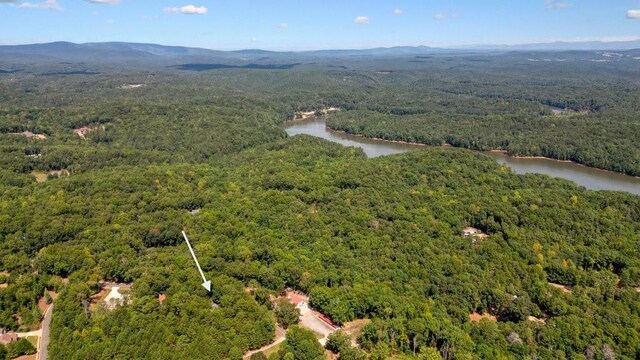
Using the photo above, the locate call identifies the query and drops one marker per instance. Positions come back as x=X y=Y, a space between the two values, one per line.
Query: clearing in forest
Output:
x=30 y=135
x=111 y=295
x=564 y=288
x=477 y=317
x=536 y=320
x=354 y=329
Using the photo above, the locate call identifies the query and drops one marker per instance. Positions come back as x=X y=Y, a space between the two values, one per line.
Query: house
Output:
x=296 y=299
x=7 y=338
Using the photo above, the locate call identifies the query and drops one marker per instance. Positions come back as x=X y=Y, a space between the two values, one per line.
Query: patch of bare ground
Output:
x=477 y=317
x=53 y=294
x=98 y=297
x=59 y=173
x=331 y=356
x=82 y=132
x=564 y=288
x=130 y=86
x=536 y=320
x=40 y=176
x=27 y=357
x=42 y=305
x=43 y=177
x=4 y=286
x=302 y=115
x=30 y=135
x=354 y=329
x=558 y=111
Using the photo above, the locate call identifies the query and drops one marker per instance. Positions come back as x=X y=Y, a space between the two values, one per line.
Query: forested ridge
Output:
x=366 y=238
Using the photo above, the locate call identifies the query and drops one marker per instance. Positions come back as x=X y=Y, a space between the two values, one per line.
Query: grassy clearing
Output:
x=40 y=176
x=272 y=350
x=33 y=340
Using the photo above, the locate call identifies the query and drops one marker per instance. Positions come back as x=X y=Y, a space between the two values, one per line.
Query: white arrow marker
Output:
x=207 y=283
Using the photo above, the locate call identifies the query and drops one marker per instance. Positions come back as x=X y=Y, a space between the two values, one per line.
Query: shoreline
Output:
x=382 y=140
x=505 y=153
x=495 y=151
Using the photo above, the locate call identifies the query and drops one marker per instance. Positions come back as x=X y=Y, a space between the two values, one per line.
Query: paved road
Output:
x=44 y=340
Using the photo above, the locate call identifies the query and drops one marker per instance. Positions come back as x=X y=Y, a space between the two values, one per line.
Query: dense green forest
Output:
x=365 y=238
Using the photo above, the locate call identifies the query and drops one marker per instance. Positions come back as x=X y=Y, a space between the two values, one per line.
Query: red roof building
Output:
x=6 y=338
x=296 y=298
x=326 y=320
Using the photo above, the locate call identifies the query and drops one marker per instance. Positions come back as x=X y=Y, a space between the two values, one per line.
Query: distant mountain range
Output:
x=143 y=54
x=563 y=46
x=137 y=51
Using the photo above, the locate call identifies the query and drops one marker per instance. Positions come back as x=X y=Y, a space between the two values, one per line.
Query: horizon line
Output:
x=477 y=46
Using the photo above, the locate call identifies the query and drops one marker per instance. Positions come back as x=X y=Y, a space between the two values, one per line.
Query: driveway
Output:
x=310 y=321
x=280 y=337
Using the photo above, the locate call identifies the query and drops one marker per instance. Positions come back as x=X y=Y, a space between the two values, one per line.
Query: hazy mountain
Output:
x=144 y=55
x=563 y=46
x=107 y=52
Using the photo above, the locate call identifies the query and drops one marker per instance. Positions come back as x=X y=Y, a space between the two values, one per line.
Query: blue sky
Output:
x=318 y=24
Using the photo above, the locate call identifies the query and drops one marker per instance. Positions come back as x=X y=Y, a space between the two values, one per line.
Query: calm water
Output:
x=588 y=177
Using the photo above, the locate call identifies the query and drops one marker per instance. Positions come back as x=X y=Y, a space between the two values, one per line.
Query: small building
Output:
x=7 y=337
x=326 y=320
x=162 y=298
x=296 y=299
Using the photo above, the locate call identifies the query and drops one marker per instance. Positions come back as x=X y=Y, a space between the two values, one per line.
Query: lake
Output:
x=590 y=178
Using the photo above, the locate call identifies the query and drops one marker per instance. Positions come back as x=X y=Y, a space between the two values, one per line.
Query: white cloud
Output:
x=108 y=2
x=633 y=14
x=46 y=4
x=283 y=25
x=361 y=20
x=556 y=5
x=397 y=11
x=439 y=16
x=187 y=10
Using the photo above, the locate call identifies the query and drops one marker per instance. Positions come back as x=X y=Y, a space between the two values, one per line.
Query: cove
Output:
x=590 y=178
